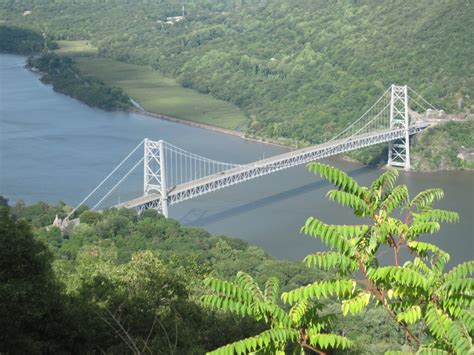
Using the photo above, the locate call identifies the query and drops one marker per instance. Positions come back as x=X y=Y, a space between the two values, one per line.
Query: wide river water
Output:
x=54 y=148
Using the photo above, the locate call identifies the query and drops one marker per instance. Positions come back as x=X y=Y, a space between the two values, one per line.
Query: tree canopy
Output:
x=20 y=41
x=301 y=70
x=122 y=282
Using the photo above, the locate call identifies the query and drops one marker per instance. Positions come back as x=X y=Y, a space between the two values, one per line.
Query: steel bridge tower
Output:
x=172 y=174
x=154 y=173
x=399 y=150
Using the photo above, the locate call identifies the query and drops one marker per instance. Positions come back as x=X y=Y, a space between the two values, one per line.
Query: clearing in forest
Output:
x=161 y=95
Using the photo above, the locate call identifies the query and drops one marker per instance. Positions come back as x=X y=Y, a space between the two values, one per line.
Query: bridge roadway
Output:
x=266 y=166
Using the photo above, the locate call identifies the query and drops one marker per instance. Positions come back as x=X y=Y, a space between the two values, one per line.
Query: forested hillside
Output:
x=144 y=273
x=65 y=77
x=439 y=148
x=119 y=282
x=301 y=70
x=20 y=41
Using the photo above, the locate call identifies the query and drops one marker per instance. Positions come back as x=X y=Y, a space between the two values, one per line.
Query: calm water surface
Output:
x=54 y=148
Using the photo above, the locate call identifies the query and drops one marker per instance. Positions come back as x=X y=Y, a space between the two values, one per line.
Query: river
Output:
x=54 y=148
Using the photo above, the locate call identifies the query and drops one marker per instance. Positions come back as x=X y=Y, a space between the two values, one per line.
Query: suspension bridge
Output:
x=172 y=175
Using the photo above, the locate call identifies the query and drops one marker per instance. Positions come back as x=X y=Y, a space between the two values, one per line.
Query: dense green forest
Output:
x=22 y=41
x=301 y=71
x=438 y=149
x=145 y=273
x=119 y=282
x=65 y=77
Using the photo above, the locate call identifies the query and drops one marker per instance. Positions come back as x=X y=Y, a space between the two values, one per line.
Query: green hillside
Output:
x=145 y=270
x=301 y=70
x=162 y=95
x=119 y=282
x=19 y=41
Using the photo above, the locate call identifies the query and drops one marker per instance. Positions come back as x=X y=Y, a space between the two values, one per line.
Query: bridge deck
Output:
x=266 y=166
x=138 y=201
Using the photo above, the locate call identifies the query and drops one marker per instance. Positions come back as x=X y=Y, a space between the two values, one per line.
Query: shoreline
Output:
x=231 y=132
x=141 y=110
x=137 y=108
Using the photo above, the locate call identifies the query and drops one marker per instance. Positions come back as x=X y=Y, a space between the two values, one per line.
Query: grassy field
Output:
x=161 y=95
x=73 y=48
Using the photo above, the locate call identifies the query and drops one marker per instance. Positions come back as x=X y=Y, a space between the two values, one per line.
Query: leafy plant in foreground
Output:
x=301 y=325
x=433 y=308
x=417 y=295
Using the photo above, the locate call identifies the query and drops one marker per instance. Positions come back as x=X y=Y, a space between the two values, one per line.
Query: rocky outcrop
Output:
x=65 y=225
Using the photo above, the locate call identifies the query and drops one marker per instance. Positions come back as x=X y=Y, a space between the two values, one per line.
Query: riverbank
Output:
x=156 y=96
x=72 y=147
x=444 y=147
x=77 y=84
x=204 y=126
x=160 y=95
x=195 y=109
x=60 y=72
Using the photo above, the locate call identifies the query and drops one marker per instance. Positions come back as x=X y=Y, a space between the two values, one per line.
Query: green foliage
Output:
x=410 y=316
x=301 y=76
x=438 y=148
x=20 y=41
x=29 y=293
x=329 y=234
x=426 y=198
x=62 y=73
x=356 y=304
x=416 y=293
x=463 y=270
x=136 y=294
x=431 y=351
x=3 y=201
x=301 y=325
x=263 y=342
x=39 y=214
x=349 y=200
x=338 y=178
x=339 y=288
x=401 y=277
x=331 y=260
x=107 y=271
x=385 y=182
x=90 y=217
x=372 y=331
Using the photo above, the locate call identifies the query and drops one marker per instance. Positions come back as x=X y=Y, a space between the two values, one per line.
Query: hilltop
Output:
x=300 y=71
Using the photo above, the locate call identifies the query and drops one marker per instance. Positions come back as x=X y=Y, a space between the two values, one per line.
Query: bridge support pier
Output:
x=399 y=150
x=154 y=174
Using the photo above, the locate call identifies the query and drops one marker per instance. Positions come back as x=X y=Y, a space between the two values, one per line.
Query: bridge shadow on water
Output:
x=197 y=217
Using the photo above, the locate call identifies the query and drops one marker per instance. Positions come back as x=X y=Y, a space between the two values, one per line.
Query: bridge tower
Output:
x=399 y=150
x=155 y=173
